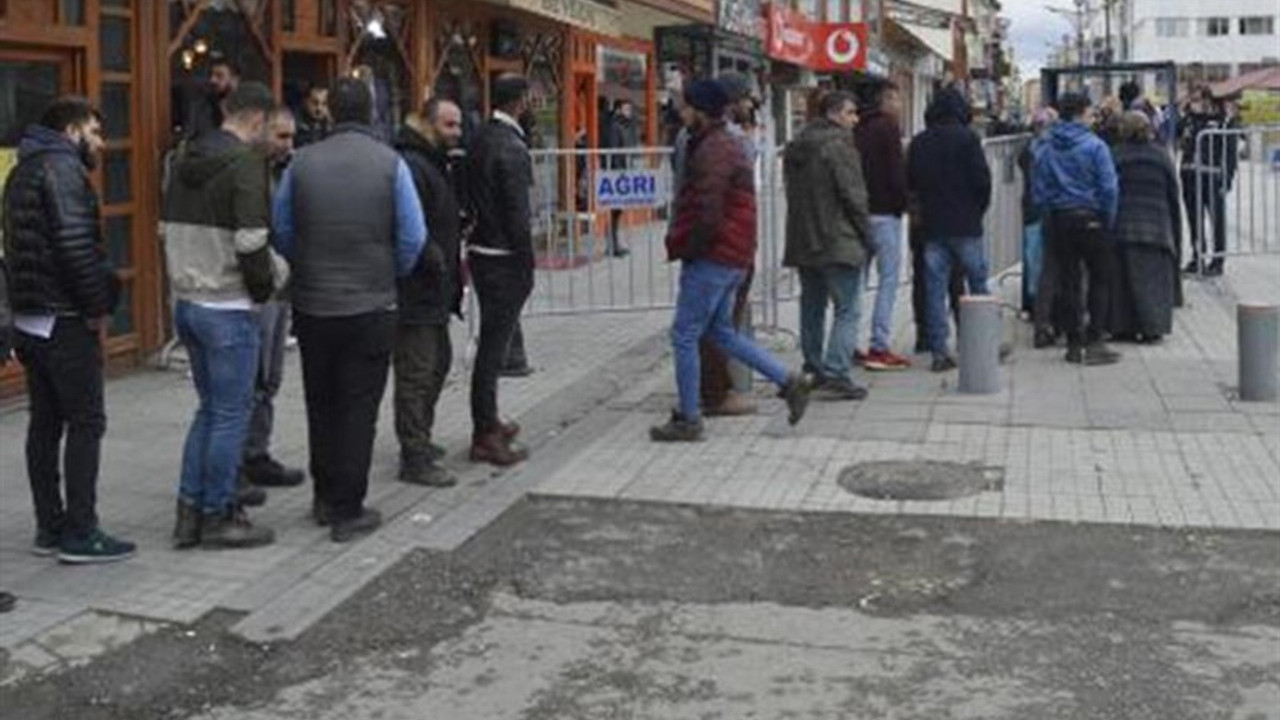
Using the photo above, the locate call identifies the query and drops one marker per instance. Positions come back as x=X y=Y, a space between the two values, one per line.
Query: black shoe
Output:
x=96 y=547
x=320 y=512
x=267 y=472
x=943 y=363
x=1092 y=355
x=840 y=390
x=677 y=429
x=437 y=452
x=516 y=371
x=922 y=343
x=427 y=473
x=621 y=252
x=1215 y=269
x=46 y=544
x=7 y=601
x=250 y=496
x=186 y=530
x=1044 y=339
x=796 y=393
x=347 y=530
x=233 y=531
x=1192 y=268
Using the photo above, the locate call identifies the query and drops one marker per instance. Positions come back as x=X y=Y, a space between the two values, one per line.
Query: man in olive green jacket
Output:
x=829 y=241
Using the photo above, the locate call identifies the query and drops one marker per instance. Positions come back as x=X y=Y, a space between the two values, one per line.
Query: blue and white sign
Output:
x=637 y=188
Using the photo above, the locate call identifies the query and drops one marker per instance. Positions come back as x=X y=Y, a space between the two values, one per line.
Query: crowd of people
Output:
x=313 y=224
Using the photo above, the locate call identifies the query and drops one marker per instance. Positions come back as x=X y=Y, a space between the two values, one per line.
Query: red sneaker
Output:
x=882 y=360
x=859 y=357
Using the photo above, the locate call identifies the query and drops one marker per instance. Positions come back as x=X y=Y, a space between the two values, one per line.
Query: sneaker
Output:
x=1094 y=355
x=46 y=544
x=1215 y=269
x=96 y=547
x=838 y=390
x=677 y=429
x=250 y=496
x=344 y=531
x=796 y=393
x=516 y=371
x=1191 y=268
x=943 y=363
x=233 y=531
x=268 y=472
x=427 y=473
x=186 y=528
x=1044 y=339
x=882 y=360
x=437 y=452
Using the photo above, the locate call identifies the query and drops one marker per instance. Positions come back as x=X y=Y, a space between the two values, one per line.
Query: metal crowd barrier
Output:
x=1233 y=206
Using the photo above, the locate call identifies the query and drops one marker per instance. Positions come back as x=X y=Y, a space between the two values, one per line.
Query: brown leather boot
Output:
x=495 y=449
x=508 y=430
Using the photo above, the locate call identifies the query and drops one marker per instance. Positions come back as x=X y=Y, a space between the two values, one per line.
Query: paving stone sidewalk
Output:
x=1159 y=439
x=304 y=572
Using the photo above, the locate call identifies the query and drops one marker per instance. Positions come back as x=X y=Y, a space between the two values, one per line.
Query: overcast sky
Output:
x=1032 y=28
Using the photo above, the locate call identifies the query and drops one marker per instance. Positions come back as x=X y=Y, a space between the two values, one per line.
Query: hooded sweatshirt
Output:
x=215 y=225
x=1074 y=170
x=947 y=171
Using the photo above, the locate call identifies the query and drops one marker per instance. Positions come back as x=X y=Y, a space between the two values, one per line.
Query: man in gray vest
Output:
x=347 y=217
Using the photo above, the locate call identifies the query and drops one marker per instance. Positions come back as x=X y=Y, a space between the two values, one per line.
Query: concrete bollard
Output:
x=741 y=374
x=979 y=344
x=1258 y=345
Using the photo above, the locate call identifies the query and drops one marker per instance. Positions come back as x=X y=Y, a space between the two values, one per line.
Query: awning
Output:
x=938 y=40
x=1267 y=78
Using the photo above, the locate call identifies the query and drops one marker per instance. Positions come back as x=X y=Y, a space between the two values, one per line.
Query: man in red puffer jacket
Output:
x=714 y=236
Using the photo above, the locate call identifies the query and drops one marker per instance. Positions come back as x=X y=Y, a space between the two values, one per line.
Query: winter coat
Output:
x=499 y=175
x=1073 y=170
x=623 y=134
x=1026 y=160
x=216 y=220
x=947 y=171
x=879 y=141
x=53 y=232
x=827 y=217
x=1150 y=211
x=715 y=213
x=1216 y=155
x=434 y=289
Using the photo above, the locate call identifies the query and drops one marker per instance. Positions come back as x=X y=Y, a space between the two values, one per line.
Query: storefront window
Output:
x=26 y=88
x=459 y=76
x=113 y=36
x=380 y=64
x=544 y=54
x=221 y=31
x=72 y=12
x=623 y=75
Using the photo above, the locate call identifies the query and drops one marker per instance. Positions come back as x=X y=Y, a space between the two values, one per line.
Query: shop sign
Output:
x=586 y=14
x=794 y=38
x=741 y=17
x=639 y=188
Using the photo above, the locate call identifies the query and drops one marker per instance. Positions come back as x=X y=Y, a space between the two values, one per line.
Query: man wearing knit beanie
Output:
x=714 y=236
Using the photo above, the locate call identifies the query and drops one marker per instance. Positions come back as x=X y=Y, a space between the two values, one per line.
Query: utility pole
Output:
x=1080 y=15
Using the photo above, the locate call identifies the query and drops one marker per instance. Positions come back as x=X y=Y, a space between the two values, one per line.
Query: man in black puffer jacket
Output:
x=430 y=294
x=62 y=288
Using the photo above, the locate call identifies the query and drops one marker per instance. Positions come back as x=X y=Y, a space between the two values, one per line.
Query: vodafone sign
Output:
x=796 y=39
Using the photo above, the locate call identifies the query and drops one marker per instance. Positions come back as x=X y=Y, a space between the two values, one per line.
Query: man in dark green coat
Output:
x=829 y=241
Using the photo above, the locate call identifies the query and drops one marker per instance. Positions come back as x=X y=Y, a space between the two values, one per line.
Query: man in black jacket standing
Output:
x=62 y=291
x=430 y=294
x=947 y=172
x=500 y=172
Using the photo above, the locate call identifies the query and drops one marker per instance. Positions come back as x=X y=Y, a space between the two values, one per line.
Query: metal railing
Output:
x=1233 y=207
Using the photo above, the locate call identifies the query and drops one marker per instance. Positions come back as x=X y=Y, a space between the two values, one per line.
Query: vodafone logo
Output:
x=843 y=46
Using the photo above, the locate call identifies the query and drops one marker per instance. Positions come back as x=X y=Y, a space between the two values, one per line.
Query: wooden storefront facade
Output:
x=144 y=61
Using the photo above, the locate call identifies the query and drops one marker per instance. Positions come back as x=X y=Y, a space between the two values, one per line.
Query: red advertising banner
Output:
x=794 y=38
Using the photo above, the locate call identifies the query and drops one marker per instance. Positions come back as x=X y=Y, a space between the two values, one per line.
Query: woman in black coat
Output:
x=1147 y=232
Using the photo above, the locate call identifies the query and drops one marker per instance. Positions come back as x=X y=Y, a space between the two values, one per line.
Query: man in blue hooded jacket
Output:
x=1074 y=183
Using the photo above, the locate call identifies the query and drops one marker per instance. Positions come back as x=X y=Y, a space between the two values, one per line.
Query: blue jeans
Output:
x=704 y=308
x=222 y=346
x=939 y=254
x=1032 y=263
x=842 y=285
x=886 y=233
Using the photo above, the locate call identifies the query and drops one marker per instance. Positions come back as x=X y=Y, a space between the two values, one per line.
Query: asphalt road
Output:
x=575 y=609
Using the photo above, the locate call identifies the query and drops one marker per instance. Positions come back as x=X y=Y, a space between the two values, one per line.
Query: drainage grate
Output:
x=920 y=479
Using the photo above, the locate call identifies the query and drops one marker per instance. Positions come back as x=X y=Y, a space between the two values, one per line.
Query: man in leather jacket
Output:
x=62 y=289
x=430 y=294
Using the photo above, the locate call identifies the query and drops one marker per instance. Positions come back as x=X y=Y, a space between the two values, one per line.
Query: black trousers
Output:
x=919 y=294
x=1081 y=251
x=423 y=356
x=64 y=389
x=502 y=286
x=1209 y=200
x=345 y=361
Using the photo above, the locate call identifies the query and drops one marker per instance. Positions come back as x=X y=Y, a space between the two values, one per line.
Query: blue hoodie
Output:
x=1074 y=170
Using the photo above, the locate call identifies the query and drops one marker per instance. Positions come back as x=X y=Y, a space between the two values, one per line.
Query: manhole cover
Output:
x=920 y=479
